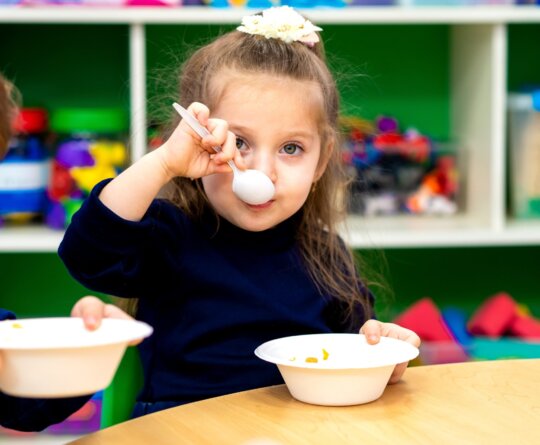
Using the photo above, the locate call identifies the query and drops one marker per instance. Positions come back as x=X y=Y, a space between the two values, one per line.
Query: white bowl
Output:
x=59 y=357
x=348 y=371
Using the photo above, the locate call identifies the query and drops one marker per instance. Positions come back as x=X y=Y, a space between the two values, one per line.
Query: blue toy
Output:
x=456 y=320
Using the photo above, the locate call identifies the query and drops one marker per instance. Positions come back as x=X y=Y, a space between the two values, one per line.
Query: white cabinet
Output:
x=478 y=41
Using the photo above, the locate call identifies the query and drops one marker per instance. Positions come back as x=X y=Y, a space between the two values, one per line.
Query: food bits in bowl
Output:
x=336 y=369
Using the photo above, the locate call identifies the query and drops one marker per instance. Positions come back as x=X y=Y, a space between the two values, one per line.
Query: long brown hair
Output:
x=8 y=109
x=329 y=262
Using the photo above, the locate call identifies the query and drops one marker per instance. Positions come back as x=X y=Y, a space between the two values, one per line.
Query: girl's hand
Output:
x=92 y=310
x=186 y=154
x=374 y=330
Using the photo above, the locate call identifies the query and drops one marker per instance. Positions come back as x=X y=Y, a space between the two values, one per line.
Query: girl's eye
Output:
x=291 y=149
x=240 y=144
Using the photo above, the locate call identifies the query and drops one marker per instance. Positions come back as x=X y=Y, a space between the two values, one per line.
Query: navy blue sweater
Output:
x=211 y=294
x=25 y=414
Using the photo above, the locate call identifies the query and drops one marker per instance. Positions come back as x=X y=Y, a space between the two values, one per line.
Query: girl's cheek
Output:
x=247 y=156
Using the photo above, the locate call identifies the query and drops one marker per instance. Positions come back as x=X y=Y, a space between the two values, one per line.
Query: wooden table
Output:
x=496 y=402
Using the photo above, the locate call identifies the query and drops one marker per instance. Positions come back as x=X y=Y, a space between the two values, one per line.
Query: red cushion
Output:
x=494 y=317
x=425 y=319
x=525 y=327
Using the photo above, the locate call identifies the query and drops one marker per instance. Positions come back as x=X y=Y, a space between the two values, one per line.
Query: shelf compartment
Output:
x=459 y=65
x=67 y=65
x=523 y=144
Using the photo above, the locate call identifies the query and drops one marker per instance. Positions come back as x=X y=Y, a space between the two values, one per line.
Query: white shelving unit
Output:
x=478 y=108
x=349 y=15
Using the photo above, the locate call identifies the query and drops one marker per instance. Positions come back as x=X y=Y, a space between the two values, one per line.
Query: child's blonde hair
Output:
x=329 y=262
x=8 y=110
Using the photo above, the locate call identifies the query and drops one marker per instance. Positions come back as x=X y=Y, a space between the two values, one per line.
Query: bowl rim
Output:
x=130 y=331
x=409 y=353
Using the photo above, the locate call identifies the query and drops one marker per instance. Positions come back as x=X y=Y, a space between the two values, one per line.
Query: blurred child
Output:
x=216 y=276
x=16 y=412
x=8 y=109
x=26 y=414
x=29 y=414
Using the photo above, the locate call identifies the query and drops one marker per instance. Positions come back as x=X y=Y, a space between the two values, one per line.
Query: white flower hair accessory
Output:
x=282 y=23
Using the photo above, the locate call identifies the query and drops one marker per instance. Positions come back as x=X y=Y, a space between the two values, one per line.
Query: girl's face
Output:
x=276 y=123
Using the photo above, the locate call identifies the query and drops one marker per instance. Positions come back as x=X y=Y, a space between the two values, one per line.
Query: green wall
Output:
x=37 y=284
x=460 y=277
x=523 y=60
x=67 y=65
x=400 y=70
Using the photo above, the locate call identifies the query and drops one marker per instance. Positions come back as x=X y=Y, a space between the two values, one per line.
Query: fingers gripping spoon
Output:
x=251 y=186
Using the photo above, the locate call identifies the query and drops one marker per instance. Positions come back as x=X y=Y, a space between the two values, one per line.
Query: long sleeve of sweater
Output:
x=24 y=414
x=109 y=254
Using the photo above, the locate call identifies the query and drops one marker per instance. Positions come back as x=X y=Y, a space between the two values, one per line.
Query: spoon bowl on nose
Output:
x=251 y=186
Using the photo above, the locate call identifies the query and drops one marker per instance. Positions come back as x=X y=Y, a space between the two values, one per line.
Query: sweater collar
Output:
x=278 y=237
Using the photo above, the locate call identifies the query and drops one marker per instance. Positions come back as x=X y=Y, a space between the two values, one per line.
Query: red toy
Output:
x=425 y=319
x=525 y=327
x=61 y=183
x=494 y=317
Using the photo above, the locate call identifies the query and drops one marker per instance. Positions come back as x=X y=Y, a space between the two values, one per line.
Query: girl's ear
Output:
x=326 y=154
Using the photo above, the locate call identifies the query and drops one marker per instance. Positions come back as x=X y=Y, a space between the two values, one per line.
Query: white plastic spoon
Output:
x=251 y=186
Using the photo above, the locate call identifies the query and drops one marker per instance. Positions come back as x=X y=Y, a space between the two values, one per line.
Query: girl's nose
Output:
x=264 y=162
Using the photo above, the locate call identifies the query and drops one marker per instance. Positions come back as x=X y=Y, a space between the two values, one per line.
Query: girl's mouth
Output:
x=261 y=206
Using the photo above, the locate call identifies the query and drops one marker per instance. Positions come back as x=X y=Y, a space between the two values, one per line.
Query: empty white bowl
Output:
x=347 y=371
x=59 y=357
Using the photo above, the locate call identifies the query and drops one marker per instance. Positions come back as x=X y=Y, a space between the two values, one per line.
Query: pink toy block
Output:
x=525 y=327
x=494 y=317
x=424 y=318
x=153 y=2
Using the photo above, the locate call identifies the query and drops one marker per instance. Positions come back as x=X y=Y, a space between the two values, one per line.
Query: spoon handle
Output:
x=199 y=129
x=191 y=121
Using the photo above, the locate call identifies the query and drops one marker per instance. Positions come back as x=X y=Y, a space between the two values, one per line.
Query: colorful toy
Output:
x=499 y=315
x=61 y=184
x=494 y=317
x=90 y=150
x=101 y=3
x=259 y=4
x=411 y=145
x=424 y=318
x=397 y=172
x=108 y=158
x=456 y=321
x=71 y=181
x=152 y=3
x=437 y=191
x=24 y=173
x=525 y=327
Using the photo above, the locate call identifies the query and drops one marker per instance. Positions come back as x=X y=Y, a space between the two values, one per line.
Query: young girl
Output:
x=215 y=276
